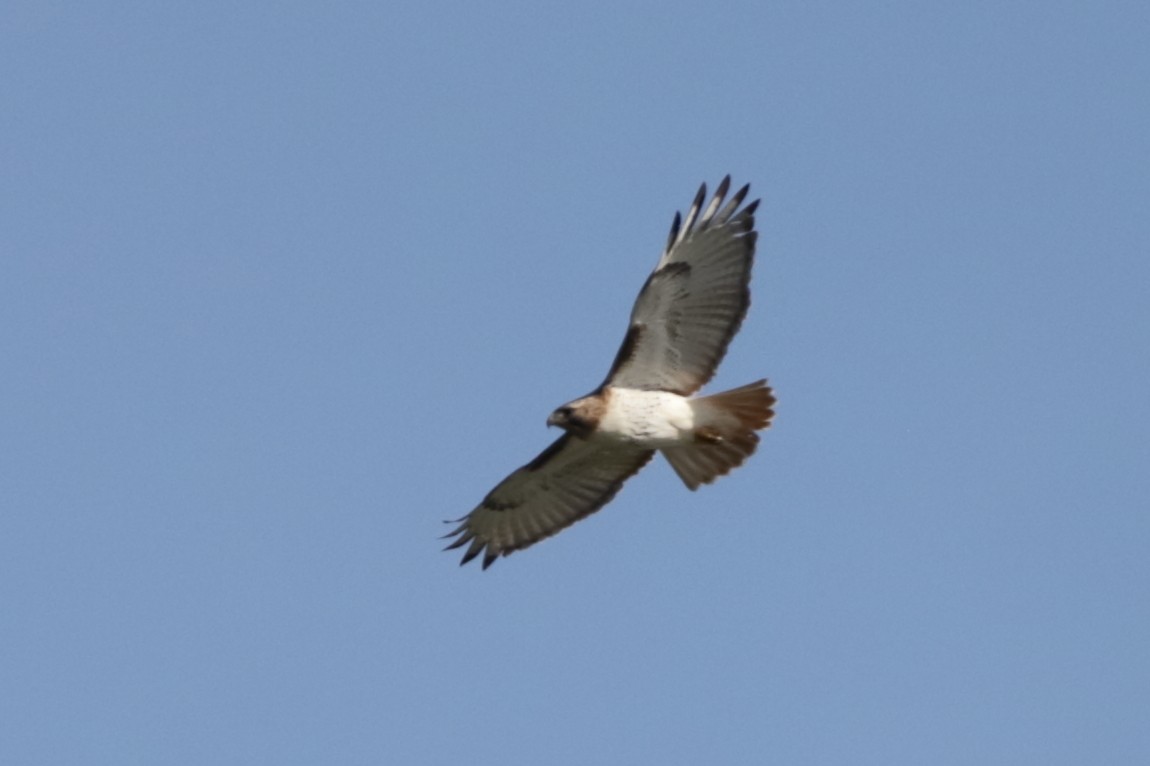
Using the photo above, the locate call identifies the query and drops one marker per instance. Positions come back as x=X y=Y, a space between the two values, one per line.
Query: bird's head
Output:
x=578 y=418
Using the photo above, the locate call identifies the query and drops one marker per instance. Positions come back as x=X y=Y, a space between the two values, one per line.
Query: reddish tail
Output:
x=725 y=433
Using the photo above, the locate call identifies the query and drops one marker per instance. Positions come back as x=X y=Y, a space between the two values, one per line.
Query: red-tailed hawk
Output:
x=684 y=318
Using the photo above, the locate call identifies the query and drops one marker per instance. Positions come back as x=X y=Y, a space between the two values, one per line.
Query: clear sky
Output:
x=285 y=285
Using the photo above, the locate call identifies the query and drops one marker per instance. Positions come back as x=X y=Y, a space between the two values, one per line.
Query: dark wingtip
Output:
x=458 y=543
x=720 y=193
x=693 y=213
x=702 y=195
x=453 y=532
x=675 y=224
x=724 y=186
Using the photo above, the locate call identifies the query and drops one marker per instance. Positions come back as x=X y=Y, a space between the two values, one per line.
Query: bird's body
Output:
x=684 y=318
x=646 y=419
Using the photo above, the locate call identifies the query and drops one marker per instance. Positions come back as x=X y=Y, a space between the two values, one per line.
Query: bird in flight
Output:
x=685 y=316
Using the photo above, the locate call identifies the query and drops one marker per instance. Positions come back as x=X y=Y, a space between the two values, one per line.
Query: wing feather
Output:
x=721 y=192
x=694 y=301
x=568 y=481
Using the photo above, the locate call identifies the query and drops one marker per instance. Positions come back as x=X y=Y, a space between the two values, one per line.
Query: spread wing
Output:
x=569 y=481
x=693 y=303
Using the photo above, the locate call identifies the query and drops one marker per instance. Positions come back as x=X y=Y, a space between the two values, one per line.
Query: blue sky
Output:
x=284 y=286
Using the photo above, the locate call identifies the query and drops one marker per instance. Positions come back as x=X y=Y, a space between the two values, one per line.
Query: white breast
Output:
x=647 y=418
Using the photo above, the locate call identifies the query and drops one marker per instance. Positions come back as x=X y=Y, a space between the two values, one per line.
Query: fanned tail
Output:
x=725 y=433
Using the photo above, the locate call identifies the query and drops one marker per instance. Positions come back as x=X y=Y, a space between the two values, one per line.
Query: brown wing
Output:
x=693 y=303
x=569 y=481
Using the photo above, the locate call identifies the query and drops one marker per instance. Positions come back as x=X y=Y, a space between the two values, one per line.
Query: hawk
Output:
x=685 y=316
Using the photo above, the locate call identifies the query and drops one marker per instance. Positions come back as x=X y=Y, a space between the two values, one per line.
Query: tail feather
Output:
x=724 y=434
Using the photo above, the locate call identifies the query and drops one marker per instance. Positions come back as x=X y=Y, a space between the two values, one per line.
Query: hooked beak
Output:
x=553 y=420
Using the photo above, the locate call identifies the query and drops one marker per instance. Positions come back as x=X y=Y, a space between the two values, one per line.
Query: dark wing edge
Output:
x=567 y=482
x=682 y=229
